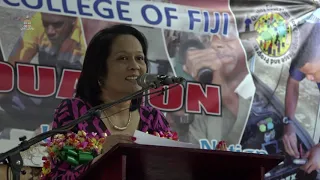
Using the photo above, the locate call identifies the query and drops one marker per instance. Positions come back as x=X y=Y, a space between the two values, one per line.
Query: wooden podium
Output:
x=145 y=162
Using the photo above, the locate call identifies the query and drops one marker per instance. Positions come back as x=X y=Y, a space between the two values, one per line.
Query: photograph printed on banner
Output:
x=34 y=40
x=283 y=94
x=217 y=60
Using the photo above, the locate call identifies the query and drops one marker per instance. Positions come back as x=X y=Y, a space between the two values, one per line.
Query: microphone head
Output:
x=154 y=81
x=147 y=80
x=141 y=80
x=205 y=75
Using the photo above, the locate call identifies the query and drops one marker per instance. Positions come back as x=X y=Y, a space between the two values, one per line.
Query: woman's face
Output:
x=125 y=64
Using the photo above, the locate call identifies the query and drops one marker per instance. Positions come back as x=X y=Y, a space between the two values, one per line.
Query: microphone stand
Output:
x=13 y=156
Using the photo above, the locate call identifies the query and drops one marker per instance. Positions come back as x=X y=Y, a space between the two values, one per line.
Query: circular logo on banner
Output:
x=278 y=35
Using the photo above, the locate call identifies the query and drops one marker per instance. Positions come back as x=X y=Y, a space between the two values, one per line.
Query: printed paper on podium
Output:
x=147 y=139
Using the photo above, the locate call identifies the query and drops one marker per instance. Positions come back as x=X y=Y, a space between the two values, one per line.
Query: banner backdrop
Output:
x=248 y=64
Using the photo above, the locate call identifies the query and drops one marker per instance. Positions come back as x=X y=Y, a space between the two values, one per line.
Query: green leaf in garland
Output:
x=75 y=157
x=85 y=157
x=72 y=152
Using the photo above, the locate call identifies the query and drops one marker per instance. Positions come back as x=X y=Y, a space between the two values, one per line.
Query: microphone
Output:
x=205 y=75
x=155 y=81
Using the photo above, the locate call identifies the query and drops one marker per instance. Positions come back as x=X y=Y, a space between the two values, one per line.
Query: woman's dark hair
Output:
x=95 y=62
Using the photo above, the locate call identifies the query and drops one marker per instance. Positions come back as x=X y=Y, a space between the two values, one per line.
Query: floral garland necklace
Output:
x=81 y=148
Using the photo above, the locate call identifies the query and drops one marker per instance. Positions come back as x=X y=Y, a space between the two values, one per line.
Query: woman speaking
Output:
x=114 y=59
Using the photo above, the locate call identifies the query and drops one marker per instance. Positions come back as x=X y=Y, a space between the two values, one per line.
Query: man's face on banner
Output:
x=57 y=27
x=221 y=55
x=312 y=71
x=211 y=59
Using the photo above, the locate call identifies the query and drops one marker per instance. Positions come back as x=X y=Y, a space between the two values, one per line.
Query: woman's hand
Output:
x=113 y=140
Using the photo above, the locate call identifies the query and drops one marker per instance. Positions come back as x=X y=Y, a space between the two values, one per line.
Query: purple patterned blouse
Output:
x=151 y=119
